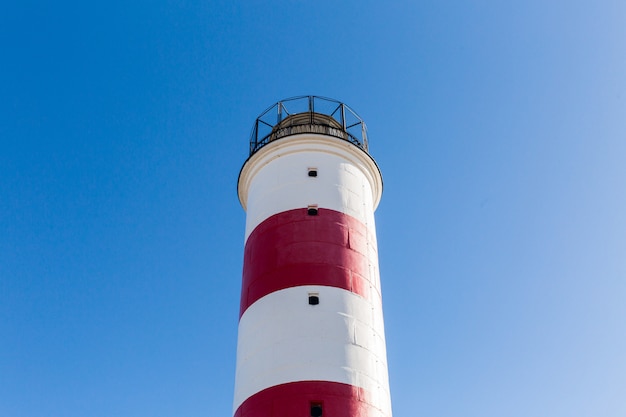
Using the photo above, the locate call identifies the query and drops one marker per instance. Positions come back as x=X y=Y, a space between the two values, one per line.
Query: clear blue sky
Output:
x=500 y=129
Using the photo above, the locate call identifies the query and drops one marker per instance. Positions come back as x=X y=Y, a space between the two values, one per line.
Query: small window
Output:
x=312 y=172
x=316 y=410
x=312 y=210
x=314 y=298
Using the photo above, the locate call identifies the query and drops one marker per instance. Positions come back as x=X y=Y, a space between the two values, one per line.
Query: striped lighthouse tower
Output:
x=311 y=335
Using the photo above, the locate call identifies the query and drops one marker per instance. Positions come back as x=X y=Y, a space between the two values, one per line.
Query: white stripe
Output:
x=283 y=339
x=276 y=179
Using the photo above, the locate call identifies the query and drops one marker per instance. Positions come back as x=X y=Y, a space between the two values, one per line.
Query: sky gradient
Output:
x=500 y=131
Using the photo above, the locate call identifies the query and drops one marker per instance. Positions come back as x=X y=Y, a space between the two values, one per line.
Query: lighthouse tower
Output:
x=311 y=335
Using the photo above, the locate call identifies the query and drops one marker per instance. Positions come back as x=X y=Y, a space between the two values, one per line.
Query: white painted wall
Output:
x=284 y=339
x=275 y=179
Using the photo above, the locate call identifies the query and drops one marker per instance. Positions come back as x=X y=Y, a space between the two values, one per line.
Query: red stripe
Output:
x=292 y=248
x=295 y=399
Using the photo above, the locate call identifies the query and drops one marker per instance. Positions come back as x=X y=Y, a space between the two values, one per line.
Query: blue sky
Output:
x=500 y=130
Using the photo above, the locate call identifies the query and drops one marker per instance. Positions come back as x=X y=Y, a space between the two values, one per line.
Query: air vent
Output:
x=316 y=410
x=314 y=298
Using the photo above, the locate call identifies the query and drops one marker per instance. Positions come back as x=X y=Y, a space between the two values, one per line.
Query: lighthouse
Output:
x=311 y=338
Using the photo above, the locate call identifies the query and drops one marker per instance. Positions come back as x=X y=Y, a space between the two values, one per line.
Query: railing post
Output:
x=364 y=136
x=311 y=109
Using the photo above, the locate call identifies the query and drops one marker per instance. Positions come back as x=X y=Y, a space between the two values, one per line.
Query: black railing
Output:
x=308 y=114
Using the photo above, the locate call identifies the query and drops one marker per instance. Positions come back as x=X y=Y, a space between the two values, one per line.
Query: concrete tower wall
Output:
x=293 y=352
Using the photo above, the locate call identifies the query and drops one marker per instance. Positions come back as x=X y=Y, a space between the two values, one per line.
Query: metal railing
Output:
x=308 y=114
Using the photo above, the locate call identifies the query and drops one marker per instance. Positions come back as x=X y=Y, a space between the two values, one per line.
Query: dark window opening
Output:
x=316 y=410
x=312 y=211
x=312 y=172
x=314 y=299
